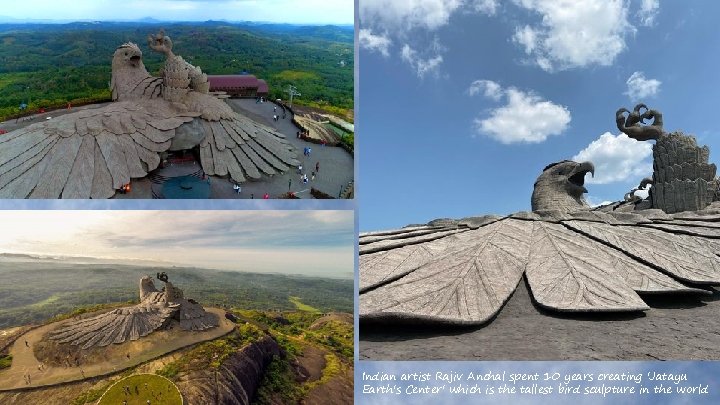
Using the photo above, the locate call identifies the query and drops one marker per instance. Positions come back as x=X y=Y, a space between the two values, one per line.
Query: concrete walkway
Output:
x=336 y=164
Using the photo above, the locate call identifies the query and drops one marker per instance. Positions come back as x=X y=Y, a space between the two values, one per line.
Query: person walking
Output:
x=317 y=167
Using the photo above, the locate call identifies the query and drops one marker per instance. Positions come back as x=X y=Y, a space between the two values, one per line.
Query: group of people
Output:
x=276 y=116
x=303 y=175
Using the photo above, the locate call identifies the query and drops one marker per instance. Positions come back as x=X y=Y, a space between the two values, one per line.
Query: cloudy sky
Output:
x=463 y=102
x=281 y=11
x=314 y=243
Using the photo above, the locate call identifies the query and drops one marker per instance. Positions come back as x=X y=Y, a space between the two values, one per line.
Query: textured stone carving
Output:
x=467 y=284
x=632 y=127
x=157 y=309
x=561 y=186
x=683 y=180
x=574 y=259
x=93 y=152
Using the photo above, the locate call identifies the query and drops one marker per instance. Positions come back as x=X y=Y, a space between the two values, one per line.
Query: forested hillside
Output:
x=51 y=65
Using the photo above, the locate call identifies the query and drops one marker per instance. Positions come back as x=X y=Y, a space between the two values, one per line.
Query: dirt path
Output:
x=144 y=349
x=675 y=328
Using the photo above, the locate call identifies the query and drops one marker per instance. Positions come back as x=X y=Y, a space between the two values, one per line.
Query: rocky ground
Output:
x=675 y=328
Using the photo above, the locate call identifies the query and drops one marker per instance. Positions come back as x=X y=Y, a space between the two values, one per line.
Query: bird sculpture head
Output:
x=146 y=287
x=561 y=186
x=128 y=72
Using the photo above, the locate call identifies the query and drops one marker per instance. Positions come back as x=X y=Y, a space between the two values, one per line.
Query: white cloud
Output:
x=643 y=193
x=640 y=87
x=649 y=9
x=421 y=66
x=595 y=201
x=488 y=7
x=617 y=158
x=372 y=42
x=525 y=118
x=407 y=14
x=574 y=33
x=411 y=22
x=489 y=88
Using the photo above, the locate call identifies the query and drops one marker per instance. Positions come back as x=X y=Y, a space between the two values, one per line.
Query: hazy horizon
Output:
x=310 y=12
x=310 y=243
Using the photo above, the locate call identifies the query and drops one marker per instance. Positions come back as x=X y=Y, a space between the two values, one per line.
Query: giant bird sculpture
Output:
x=93 y=152
x=574 y=258
x=157 y=309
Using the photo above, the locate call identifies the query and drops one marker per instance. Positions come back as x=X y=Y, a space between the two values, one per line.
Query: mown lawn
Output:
x=141 y=388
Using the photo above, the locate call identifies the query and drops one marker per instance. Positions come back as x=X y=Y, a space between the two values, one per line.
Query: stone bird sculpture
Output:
x=94 y=152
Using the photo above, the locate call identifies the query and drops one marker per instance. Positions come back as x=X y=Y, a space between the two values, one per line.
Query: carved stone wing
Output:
x=116 y=326
x=237 y=146
x=569 y=272
x=467 y=284
x=684 y=257
x=86 y=154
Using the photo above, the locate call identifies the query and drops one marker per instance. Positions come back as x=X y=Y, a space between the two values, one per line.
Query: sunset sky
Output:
x=315 y=243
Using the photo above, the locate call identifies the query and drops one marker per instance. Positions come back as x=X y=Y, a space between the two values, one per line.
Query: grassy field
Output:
x=141 y=388
x=303 y=307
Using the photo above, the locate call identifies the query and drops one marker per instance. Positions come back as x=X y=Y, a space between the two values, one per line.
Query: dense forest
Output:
x=33 y=292
x=51 y=65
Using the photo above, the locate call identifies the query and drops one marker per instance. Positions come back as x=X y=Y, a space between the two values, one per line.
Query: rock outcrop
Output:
x=235 y=381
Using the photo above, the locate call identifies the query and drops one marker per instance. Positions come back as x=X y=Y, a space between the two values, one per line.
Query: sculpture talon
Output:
x=631 y=125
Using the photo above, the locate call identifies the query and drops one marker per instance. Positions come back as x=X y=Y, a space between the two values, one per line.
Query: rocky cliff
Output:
x=235 y=381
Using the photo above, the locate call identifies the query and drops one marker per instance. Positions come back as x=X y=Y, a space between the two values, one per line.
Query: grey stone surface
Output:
x=560 y=186
x=156 y=310
x=574 y=259
x=53 y=159
x=467 y=284
x=188 y=135
x=631 y=125
x=683 y=180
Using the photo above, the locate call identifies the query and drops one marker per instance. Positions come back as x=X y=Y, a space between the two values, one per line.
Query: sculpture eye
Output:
x=125 y=53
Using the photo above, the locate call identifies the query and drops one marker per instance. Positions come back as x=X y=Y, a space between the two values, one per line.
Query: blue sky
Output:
x=279 y=11
x=312 y=243
x=463 y=102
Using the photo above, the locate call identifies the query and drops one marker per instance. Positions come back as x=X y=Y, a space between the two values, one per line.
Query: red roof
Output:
x=232 y=81
x=262 y=86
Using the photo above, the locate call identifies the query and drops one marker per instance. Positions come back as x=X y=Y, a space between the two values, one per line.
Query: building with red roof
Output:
x=239 y=85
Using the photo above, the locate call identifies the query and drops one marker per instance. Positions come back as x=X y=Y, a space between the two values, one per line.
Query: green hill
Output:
x=50 y=65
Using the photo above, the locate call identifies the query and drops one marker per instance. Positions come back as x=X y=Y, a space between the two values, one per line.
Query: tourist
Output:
x=290 y=183
x=299 y=169
x=275 y=108
x=317 y=167
x=266 y=196
x=309 y=151
x=313 y=176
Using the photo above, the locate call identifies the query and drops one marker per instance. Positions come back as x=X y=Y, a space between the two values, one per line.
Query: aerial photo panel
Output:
x=177 y=202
